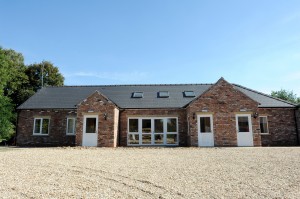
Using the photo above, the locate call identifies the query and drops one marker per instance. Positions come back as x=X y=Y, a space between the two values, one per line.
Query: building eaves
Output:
x=268 y=96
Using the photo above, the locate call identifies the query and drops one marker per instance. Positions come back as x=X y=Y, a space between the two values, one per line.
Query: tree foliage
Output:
x=6 y=118
x=286 y=95
x=50 y=73
x=18 y=82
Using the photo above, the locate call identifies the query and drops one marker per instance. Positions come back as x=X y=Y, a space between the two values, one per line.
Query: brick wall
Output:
x=298 y=123
x=180 y=113
x=97 y=104
x=57 y=130
x=282 y=128
x=224 y=102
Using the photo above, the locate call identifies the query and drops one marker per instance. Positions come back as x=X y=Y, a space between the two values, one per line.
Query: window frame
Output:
x=41 y=126
x=152 y=133
x=74 y=126
x=210 y=116
x=189 y=94
x=163 y=94
x=268 y=132
x=137 y=94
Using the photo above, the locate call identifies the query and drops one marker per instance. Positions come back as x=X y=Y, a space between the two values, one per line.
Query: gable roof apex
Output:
x=99 y=93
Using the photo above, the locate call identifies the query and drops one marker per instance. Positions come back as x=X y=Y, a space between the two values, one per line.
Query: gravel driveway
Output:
x=150 y=172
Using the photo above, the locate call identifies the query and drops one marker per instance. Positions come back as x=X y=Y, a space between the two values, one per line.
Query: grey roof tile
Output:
x=67 y=97
x=264 y=99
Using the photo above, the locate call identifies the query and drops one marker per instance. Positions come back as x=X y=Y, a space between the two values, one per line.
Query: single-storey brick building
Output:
x=220 y=114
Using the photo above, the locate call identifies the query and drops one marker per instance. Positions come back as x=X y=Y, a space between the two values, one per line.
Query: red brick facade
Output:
x=222 y=101
x=57 y=129
x=179 y=113
x=282 y=127
x=107 y=112
x=297 y=114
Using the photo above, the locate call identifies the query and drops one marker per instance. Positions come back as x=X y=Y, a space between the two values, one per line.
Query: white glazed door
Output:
x=244 y=130
x=205 y=130
x=90 y=130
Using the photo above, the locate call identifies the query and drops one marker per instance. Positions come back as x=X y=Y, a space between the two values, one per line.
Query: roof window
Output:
x=137 y=95
x=163 y=94
x=189 y=94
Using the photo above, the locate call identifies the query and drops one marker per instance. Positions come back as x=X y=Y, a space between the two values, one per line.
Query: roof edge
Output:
x=115 y=85
x=266 y=95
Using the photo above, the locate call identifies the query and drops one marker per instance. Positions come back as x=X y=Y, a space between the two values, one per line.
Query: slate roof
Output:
x=67 y=97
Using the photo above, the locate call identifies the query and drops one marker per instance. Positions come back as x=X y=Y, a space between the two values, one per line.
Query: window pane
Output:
x=133 y=125
x=137 y=94
x=243 y=124
x=205 y=126
x=263 y=125
x=159 y=138
x=158 y=126
x=172 y=125
x=37 y=126
x=146 y=139
x=45 y=126
x=71 y=124
x=146 y=126
x=163 y=94
x=172 y=138
x=90 y=125
x=133 y=139
x=189 y=93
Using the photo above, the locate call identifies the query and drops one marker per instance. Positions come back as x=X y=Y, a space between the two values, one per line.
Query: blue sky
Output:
x=254 y=43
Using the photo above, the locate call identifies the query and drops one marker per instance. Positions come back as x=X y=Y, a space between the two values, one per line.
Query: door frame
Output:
x=84 y=128
x=250 y=129
x=211 y=127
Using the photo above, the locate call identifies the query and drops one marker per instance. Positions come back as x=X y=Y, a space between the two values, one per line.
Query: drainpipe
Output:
x=297 y=130
x=119 y=127
x=17 y=120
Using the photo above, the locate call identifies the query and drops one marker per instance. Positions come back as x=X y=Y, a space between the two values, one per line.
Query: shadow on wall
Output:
x=297 y=114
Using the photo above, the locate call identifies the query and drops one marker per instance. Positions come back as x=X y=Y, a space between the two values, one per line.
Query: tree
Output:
x=18 y=82
x=286 y=95
x=6 y=118
x=13 y=77
x=11 y=69
x=51 y=75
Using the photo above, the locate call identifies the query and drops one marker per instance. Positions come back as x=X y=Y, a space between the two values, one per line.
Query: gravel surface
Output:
x=150 y=172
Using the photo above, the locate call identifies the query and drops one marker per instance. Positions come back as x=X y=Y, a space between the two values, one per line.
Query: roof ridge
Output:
x=115 y=85
x=258 y=92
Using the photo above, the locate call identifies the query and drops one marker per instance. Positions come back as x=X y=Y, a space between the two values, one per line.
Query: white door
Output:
x=205 y=130
x=90 y=130
x=244 y=130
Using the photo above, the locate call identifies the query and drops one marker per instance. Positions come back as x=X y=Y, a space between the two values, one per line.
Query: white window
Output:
x=152 y=131
x=41 y=126
x=263 y=122
x=71 y=124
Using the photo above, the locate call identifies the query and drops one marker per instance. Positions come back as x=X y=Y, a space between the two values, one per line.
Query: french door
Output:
x=152 y=131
